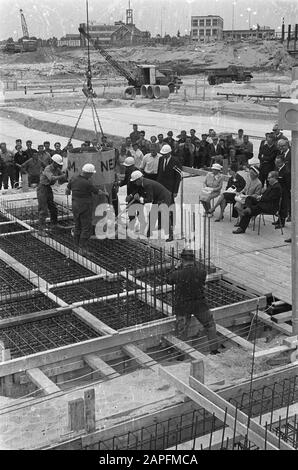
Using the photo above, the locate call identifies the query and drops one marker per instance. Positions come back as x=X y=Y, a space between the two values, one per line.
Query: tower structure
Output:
x=129 y=15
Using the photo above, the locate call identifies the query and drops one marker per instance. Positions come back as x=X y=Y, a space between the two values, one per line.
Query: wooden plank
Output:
x=89 y=399
x=95 y=345
x=247 y=345
x=42 y=381
x=98 y=365
x=92 y=321
x=76 y=418
x=239 y=415
x=216 y=442
x=33 y=316
x=216 y=410
x=272 y=351
x=185 y=348
x=186 y=408
x=140 y=357
x=282 y=317
x=282 y=327
x=17 y=295
x=238 y=308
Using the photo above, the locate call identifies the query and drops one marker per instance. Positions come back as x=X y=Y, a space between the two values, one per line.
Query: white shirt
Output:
x=138 y=156
x=150 y=163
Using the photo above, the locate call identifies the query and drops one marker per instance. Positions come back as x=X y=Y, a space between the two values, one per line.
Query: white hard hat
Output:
x=129 y=161
x=88 y=168
x=136 y=175
x=165 y=149
x=57 y=159
x=216 y=166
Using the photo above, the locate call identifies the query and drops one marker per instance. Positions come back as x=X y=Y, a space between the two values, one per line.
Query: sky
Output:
x=47 y=18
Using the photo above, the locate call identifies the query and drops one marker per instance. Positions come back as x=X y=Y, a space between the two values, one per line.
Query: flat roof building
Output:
x=206 y=28
x=262 y=32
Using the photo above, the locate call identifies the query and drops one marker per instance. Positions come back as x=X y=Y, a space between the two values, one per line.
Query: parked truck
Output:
x=232 y=73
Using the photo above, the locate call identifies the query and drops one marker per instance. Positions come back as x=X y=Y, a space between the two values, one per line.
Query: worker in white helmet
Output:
x=51 y=174
x=81 y=189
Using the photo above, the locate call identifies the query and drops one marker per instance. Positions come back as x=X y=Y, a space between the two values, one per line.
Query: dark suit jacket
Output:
x=126 y=181
x=154 y=192
x=284 y=178
x=169 y=177
x=288 y=159
x=212 y=151
x=269 y=202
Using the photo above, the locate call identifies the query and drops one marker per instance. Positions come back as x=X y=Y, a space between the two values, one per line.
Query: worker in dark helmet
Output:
x=189 y=298
x=51 y=174
x=82 y=189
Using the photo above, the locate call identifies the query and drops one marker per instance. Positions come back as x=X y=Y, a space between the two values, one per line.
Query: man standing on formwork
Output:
x=51 y=174
x=82 y=189
x=189 y=299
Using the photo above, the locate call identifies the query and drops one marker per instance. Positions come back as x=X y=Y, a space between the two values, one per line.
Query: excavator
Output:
x=145 y=80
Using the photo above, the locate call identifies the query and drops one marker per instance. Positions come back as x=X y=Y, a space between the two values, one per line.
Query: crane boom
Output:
x=24 y=25
x=131 y=78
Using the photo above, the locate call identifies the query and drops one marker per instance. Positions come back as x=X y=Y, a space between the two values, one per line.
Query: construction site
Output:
x=89 y=356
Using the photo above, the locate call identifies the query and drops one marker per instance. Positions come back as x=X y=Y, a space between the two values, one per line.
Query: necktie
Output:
x=165 y=163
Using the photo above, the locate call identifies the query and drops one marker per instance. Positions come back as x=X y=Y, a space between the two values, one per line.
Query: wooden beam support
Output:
x=33 y=316
x=218 y=408
x=140 y=357
x=42 y=381
x=282 y=327
x=239 y=415
x=98 y=365
x=95 y=345
x=247 y=345
x=184 y=347
x=282 y=317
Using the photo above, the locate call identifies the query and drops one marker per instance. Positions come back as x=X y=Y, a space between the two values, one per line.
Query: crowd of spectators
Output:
x=211 y=151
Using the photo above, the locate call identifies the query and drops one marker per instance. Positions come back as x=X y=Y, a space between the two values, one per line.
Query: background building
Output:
x=118 y=34
x=262 y=32
x=206 y=28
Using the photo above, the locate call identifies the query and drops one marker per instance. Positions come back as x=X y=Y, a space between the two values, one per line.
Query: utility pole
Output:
x=233 y=19
x=288 y=119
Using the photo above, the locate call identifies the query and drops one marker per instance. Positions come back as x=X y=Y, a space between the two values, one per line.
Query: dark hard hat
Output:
x=187 y=254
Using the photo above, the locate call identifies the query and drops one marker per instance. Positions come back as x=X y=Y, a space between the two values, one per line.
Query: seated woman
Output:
x=252 y=188
x=211 y=186
x=235 y=185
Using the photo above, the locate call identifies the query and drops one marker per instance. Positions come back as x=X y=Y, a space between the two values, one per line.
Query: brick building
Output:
x=206 y=28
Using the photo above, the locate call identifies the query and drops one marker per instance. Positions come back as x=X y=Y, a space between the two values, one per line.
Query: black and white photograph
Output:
x=148 y=237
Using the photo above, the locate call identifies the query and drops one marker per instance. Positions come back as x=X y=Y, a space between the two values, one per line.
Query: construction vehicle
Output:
x=232 y=73
x=24 y=44
x=143 y=79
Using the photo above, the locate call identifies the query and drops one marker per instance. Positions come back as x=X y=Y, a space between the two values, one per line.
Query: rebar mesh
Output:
x=189 y=426
x=23 y=306
x=13 y=227
x=124 y=312
x=12 y=282
x=92 y=289
x=43 y=260
x=217 y=293
x=48 y=333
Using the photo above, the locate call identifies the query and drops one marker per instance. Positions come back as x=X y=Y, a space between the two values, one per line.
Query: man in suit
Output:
x=267 y=203
x=283 y=146
x=267 y=154
x=284 y=179
x=149 y=191
x=169 y=175
x=214 y=150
